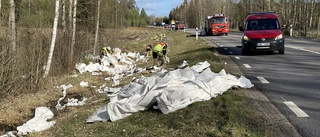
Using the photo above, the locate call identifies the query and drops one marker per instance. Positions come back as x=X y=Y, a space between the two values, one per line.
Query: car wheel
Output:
x=281 y=51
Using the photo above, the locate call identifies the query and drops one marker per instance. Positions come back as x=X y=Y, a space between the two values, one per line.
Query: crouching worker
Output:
x=148 y=50
x=105 y=50
x=158 y=54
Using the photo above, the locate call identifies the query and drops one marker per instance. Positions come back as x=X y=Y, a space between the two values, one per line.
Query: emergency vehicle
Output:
x=216 y=25
x=179 y=25
x=262 y=32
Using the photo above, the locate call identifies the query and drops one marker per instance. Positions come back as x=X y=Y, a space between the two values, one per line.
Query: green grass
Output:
x=223 y=116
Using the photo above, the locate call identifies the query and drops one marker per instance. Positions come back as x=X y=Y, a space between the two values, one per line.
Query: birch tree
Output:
x=70 y=14
x=73 y=41
x=97 y=29
x=12 y=25
x=0 y=11
x=64 y=17
x=53 y=39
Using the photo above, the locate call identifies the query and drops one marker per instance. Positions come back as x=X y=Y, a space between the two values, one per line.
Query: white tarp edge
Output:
x=172 y=91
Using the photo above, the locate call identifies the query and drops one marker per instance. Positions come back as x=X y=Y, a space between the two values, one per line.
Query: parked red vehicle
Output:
x=217 y=25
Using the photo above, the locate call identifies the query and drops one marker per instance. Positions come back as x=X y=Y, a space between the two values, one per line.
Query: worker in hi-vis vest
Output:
x=158 y=52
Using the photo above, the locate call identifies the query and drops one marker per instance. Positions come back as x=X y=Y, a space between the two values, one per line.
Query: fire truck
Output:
x=216 y=25
x=179 y=25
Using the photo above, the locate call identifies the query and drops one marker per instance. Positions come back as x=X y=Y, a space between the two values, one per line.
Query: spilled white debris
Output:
x=38 y=123
x=118 y=65
x=171 y=90
x=84 y=84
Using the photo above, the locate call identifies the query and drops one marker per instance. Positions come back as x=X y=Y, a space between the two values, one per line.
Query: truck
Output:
x=217 y=24
x=173 y=25
x=180 y=25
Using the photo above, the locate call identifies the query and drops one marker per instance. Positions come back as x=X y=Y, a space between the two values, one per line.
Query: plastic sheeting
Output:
x=172 y=91
x=38 y=123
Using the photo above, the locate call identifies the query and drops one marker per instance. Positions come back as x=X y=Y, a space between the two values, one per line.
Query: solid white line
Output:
x=237 y=57
x=247 y=65
x=263 y=80
x=296 y=109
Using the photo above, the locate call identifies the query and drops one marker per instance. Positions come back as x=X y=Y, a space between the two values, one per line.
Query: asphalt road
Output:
x=291 y=81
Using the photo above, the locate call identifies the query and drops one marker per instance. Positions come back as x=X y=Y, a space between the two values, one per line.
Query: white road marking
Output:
x=221 y=45
x=230 y=52
x=225 y=48
x=263 y=80
x=296 y=109
x=298 y=48
x=247 y=65
x=237 y=57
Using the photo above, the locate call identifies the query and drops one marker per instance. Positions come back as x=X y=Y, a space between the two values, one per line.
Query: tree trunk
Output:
x=97 y=29
x=311 y=13
x=53 y=39
x=64 y=17
x=70 y=14
x=0 y=11
x=73 y=41
x=318 y=33
x=12 y=25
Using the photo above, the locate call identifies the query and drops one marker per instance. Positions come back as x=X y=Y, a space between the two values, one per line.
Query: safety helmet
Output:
x=155 y=37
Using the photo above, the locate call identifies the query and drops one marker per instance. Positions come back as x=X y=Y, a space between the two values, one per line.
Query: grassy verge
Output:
x=225 y=115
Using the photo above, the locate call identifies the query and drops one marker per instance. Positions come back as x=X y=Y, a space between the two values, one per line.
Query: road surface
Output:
x=291 y=81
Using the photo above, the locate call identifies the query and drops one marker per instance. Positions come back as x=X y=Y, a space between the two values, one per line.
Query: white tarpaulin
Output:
x=38 y=123
x=173 y=90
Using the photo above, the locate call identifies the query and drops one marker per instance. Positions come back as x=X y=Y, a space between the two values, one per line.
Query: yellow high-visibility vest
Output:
x=158 y=47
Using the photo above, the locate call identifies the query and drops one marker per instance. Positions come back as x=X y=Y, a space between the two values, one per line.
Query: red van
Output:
x=262 y=32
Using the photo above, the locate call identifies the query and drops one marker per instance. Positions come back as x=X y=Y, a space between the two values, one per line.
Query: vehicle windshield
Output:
x=216 y=20
x=262 y=24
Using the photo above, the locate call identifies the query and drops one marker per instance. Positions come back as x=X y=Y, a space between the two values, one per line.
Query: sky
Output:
x=159 y=8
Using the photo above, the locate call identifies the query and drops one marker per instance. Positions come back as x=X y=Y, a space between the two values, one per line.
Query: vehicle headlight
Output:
x=279 y=37
x=216 y=27
x=246 y=38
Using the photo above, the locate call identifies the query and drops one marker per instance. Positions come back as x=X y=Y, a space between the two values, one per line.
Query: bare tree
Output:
x=97 y=29
x=0 y=11
x=64 y=17
x=70 y=14
x=12 y=24
x=74 y=22
x=53 y=39
x=318 y=33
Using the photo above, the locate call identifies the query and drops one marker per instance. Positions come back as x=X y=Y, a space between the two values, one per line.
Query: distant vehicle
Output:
x=180 y=25
x=167 y=26
x=217 y=25
x=262 y=32
x=173 y=25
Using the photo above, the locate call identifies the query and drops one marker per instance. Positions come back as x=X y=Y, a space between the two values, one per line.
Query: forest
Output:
x=302 y=15
x=41 y=38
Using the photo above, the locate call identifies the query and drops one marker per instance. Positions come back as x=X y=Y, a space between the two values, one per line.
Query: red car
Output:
x=262 y=32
